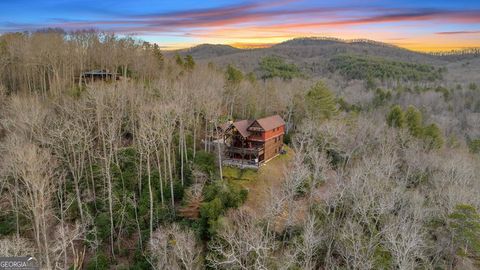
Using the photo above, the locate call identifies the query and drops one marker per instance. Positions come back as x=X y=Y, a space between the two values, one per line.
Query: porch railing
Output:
x=245 y=151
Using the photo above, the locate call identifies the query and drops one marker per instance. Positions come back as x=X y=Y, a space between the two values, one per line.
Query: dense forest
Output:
x=358 y=67
x=115 y=174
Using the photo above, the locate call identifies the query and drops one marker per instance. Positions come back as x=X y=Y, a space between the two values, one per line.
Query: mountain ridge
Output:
x=313 y=55
x=316 y=41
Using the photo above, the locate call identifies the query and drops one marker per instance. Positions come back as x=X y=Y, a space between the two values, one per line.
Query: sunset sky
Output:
x=424 y=25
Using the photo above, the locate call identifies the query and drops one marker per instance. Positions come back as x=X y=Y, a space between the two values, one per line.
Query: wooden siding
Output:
x=273 y=133
x=268 y=143
x=272 y=141
x=267 y=135
x=272 y=147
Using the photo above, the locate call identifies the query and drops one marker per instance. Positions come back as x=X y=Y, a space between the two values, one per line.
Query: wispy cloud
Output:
x=257 y=22
x=458 y=32
x=201 y=19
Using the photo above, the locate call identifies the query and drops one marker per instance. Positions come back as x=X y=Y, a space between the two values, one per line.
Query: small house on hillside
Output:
x=98 y=75
x=253 y=142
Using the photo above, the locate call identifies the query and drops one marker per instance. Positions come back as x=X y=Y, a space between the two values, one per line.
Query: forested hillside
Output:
x=383 y=168
x=314 y=56
x=354 y=67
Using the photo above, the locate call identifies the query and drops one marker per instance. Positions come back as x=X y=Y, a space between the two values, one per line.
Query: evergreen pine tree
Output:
x=234 y=76
x=320 y=102
x=413 y=118
x=189 y=62
x=179 y=60
x=474 y=146
x=465 y=226
x=396 y=117
x=433 y=136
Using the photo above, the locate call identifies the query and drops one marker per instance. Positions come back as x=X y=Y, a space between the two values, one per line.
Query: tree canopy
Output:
x=396 y=117
x=413 y=119
x=464 y=222
x=234 y=76
x=320 y=102
x=357 y=67
x=274 y=66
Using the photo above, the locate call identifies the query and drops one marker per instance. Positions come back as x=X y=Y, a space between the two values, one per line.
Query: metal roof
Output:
x=97 y=72
x=267 y=123
x=270 y=122
x=242 y=126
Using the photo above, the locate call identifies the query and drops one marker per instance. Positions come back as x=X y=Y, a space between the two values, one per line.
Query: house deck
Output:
x=241 y=163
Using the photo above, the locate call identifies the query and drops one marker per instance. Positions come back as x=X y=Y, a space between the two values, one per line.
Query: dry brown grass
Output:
x=270 y=178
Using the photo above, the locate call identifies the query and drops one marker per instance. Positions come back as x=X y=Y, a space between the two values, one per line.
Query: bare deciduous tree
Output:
x=173 y=247
x=241 y=243
x=16 y=247
x=34 y=168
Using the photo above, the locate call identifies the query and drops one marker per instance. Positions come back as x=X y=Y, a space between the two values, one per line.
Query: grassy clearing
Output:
x=260 y=184
x=236 y=174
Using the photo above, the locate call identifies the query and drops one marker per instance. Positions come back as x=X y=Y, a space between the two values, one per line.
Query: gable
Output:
x=242 y=127
x=269 y=123
x=255 y=126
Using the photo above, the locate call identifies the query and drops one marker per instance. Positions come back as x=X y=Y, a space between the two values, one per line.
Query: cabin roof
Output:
x=266 y=123
x=223 y=127
x=97 y=72
x=242 y=127
x=270 y=122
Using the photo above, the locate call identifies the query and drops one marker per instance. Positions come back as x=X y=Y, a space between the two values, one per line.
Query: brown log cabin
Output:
x=253 y=141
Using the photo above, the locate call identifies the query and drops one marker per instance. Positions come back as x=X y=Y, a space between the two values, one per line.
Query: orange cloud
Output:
x=256 y=24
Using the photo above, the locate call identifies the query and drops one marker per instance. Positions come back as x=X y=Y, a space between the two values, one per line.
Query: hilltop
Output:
x=313 y=56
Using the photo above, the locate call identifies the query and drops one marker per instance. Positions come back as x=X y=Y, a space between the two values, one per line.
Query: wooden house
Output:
x=98 y=75
x=253 y=141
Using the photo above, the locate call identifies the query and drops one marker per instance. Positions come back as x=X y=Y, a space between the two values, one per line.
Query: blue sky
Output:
x=418 y=25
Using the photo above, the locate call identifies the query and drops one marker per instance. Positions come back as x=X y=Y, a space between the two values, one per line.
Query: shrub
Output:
x=218 y=197
x=102 y=223
x=287 y=138
x=140 y=262
x=205 y=161
x=209 y=213
x=99 y=262
x=125 y=170
x=474 y=146
x=381 y=97
x=178 y=191
x=7 y=224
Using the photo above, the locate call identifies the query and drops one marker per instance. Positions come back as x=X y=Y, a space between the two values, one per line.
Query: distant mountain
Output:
x=312 y=55
x=207 y=51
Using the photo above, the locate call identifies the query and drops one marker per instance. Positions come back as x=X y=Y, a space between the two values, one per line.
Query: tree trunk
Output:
x=150 y=194
x=159 y=167
x=169 y=158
